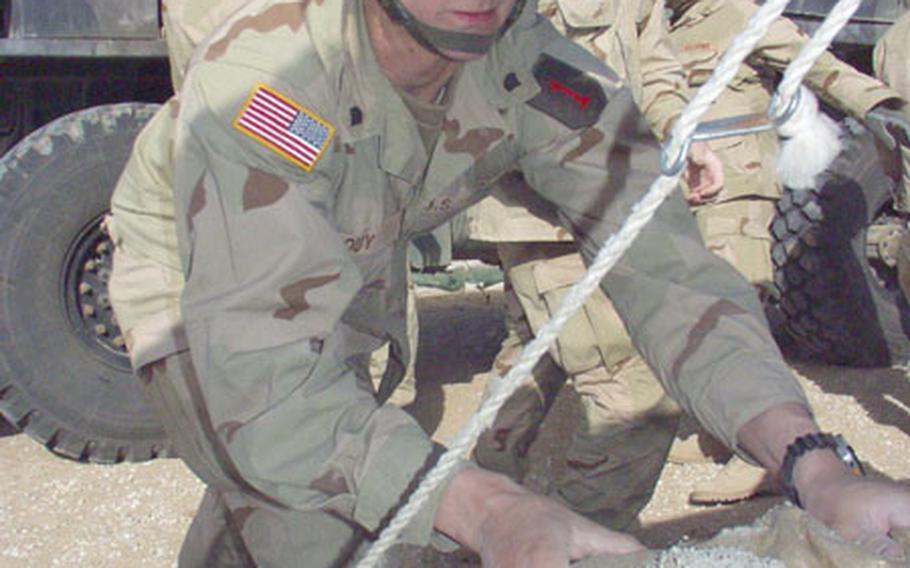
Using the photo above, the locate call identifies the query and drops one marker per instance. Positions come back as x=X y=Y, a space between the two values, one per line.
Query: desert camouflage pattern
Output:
x=701 y=30
x=736 y=224
x=889 y=59
x=186 y=24
x=295 y=269
x=890 y=64
x=622 y=437
x=738 y=231
x=630 y=37
x=623 y=407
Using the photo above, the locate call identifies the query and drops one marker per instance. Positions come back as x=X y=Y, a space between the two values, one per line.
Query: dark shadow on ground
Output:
x=459 y=337
x=883 y=393
x=7 y=429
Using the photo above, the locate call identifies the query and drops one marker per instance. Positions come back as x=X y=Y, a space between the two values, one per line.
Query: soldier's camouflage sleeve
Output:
x=696 y=321
x=889 y=59
x=631 y=38
x=664 y=88
x=267 y=280
x=835 y=82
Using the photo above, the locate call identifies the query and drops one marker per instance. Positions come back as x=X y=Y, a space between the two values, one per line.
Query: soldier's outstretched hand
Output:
x=862 y=510
x=511 y=527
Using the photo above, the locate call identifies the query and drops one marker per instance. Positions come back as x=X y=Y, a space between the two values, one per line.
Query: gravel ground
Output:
x=58 y=513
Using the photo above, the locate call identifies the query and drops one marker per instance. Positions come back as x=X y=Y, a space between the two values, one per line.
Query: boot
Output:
x=699 y=447
x=738 y=480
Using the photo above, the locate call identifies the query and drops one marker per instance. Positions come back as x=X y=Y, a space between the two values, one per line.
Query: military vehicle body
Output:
x=78 y=80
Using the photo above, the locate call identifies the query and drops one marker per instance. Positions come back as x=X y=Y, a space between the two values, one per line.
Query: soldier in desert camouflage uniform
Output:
x=889 y=59
x=279 y=189
x=891 y=63
x=736 y=223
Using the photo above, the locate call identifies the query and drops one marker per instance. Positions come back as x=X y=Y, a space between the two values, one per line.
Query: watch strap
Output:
x=817 y=441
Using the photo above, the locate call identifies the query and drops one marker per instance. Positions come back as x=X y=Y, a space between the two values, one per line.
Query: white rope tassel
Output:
x=616 y=245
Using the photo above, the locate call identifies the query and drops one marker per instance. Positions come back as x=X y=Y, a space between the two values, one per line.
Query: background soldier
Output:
x=891 y=64
x=736 y=222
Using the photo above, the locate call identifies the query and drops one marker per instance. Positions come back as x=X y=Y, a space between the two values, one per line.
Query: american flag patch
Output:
x=285 y=127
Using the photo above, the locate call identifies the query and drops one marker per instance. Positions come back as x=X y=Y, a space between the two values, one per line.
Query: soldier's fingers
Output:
x=881 y=545
x=589 y=539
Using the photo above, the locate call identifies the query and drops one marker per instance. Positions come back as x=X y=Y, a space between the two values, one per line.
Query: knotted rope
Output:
x=673 y=160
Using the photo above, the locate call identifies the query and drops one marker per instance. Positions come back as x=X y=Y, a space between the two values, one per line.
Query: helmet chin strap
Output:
x=445 y=40
x=438 y=40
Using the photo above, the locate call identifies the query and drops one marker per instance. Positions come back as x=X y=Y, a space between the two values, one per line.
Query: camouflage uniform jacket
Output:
x=631 y=38
x=890 y=56
x=702 y=30
x=186 y=23
x=293 y=246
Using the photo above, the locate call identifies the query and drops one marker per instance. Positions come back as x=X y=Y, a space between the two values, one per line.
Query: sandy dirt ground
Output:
x=57 y=513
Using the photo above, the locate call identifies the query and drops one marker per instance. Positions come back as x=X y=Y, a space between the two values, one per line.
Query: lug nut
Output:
x=100 y=330
x=88 y=310
x=85 y=288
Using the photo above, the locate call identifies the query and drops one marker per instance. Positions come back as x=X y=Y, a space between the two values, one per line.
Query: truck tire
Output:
x=65 y=378
x=839 y=304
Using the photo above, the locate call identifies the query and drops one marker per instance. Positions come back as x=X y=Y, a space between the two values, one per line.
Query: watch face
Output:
x=848 y=456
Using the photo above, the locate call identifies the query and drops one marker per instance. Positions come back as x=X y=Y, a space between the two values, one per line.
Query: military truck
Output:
x=79 y=79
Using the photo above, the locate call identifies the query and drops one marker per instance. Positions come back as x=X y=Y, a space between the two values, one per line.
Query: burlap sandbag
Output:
x=784 y=537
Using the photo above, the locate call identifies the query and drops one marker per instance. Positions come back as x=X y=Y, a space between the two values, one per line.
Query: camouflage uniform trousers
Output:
x=738 y=231
x=627 y=423
x=406 y=391
x=623 y=434
x=236 y=525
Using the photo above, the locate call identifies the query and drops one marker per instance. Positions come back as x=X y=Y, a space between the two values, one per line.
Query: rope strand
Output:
x=809 y=54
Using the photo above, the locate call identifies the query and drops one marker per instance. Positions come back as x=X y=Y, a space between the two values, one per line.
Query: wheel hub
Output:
x=86 y=273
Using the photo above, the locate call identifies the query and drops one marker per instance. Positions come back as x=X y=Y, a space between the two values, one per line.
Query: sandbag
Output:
x=785 y=537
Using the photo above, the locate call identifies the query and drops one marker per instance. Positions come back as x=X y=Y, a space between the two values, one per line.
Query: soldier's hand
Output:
x=860 y=509
x=512 y=527
x=704 y=174
x=890 y=123
x=531 y=530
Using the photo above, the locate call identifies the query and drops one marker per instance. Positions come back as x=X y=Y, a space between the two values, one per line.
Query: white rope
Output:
x=616 y=245
x=729 y=63
x=810 y=52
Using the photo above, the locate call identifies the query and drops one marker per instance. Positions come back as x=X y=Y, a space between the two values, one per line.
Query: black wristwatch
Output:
x=821 y=441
